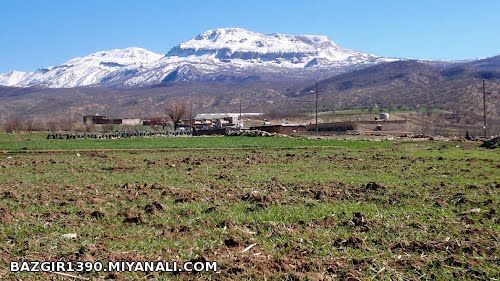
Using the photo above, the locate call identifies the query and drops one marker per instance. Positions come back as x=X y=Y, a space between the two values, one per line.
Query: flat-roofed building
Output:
x=219 y=120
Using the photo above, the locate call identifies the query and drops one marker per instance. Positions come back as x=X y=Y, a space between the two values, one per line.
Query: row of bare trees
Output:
x=16 y=125
x=175 y=112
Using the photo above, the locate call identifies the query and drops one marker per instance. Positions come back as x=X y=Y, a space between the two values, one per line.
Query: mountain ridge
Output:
x=228 y=52
x=410 y=84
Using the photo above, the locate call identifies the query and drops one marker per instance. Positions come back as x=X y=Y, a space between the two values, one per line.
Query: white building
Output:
x=223 y=119
x=131 y=121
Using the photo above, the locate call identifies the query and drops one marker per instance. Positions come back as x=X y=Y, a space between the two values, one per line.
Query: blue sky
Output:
x=39 y=33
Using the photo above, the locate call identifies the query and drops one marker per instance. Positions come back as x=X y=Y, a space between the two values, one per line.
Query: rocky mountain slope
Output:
x=414 y=84
x=391 y=85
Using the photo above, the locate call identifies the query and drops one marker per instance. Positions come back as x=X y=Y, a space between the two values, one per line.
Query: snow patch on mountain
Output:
x=13 y=78
x=241 y=40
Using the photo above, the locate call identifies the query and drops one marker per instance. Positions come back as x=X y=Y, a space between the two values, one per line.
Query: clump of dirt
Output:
x=458 y=199
x=5 y=216
x=256 y=159
x=175 y=229
x=325 y=194
x=393 y=199
x=210 y=209
x=156 y=186
x=359 y=222
x=226 y=224
x=374 y=186
x=97 y=214
x=91 y=252
x=9 y=195
x=415 y=225
x=490 y=214
x=138 y=186
x=352 y=242
x=198 y=259
x=183 y=199
x=358 y=219
x=466 y=219
x=257 y=207
x=222 y=176
x=254 y=197
x=231 y=242
x=153 y=207
x=132 y=219
x=180 y=195
x=113 y=276
x=149 y=209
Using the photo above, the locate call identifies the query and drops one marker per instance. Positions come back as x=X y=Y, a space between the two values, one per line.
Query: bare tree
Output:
x=67 y=124
x=13 y=126
x=176 y=111
x=29 y=125
x=89 y=128
x=108 y=128
x=52 y=125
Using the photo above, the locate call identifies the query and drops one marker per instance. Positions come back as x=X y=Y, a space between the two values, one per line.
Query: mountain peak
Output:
x=13 y=78
x=239 y=39
x=121 y=56
x=214 y=34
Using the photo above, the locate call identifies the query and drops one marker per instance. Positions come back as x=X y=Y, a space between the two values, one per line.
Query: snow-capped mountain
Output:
x=14 y=78
x=219 y=54
x=93 y=69
x=240 y=44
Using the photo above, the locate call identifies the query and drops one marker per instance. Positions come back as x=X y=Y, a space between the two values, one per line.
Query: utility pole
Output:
x=484 y=109
x=239 y=119
x=316 y=91
x=317 y=128
x=191 y=115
